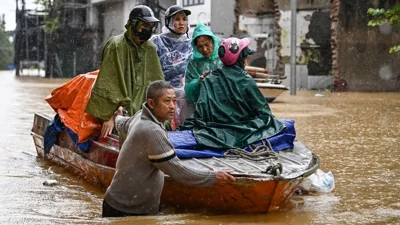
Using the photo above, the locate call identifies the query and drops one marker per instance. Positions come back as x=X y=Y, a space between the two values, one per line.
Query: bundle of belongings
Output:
x=69 y=102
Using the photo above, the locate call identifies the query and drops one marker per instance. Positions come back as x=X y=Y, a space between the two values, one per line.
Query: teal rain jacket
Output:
x=198 y=64
x=231 y=112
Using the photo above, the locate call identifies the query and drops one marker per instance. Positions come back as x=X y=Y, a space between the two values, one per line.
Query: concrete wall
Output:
x=93 y=18
x=223 y=17
x=305 y=4
x=313 y=39
x=363 y=58
x=302 y=29
x=262 y=30
x=255 y=6
x=248 y=18
x=114 y=19
x=304 y=81
x=268 y=23
x=200 y=14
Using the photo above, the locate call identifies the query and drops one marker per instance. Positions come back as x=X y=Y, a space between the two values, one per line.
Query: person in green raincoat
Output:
x=130 y=63
x=231 y=112
x=204 y=60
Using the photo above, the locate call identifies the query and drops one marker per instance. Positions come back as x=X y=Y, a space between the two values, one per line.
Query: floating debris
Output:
x=50 y=183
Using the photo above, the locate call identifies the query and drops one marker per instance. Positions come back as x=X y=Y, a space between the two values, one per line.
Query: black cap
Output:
x=172 y=10
x=143 y=13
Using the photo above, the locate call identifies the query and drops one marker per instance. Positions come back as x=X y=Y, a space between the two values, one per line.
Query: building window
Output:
x=192 y=2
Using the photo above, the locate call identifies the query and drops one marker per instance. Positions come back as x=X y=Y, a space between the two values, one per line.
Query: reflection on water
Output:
x=356 y=135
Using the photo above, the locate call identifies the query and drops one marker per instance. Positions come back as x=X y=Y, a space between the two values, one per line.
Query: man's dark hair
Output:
x=154 y=90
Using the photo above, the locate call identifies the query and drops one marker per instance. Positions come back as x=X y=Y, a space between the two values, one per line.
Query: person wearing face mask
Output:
x=129 y=64
x=231 y=112
x=174 y=50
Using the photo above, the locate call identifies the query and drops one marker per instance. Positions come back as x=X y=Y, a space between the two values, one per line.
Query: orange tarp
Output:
x=70 y=101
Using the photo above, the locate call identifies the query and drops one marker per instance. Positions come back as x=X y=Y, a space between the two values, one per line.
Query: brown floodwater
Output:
x=356 y=135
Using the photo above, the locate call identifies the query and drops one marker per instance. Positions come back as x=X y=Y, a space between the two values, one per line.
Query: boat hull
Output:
x=94 y=173
x=271 y=91
x=246 y=195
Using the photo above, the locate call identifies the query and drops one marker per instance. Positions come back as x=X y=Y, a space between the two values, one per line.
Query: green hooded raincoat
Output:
x=198 y=64
x=126 y=71
x=231 y=112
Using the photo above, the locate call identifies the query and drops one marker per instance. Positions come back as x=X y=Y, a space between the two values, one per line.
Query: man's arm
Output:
x=162 y=154
x=122 y=122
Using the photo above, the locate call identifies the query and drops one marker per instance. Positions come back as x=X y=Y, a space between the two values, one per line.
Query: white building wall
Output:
x=97 y=1
x=114 y=19
x=302 y=29
x=223 y=17
x=93 y=19
x=200 y=14
x=261 y=29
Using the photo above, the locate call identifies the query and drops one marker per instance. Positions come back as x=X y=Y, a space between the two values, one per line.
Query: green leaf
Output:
x=380 y=16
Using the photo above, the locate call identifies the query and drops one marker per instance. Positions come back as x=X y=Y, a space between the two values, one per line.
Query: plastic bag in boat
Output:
x=318 y=182
x=183 y=108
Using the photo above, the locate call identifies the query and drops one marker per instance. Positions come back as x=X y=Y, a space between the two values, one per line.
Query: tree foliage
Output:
x=6 y=47
x=52 y=19
x=381 y=16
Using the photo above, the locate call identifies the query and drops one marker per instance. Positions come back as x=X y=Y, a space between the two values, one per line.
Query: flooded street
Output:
x=356 y=136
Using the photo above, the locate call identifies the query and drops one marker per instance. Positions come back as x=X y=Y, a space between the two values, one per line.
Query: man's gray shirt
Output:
x=143 y=159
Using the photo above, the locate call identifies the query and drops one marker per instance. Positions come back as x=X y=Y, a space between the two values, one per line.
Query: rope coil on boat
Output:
x=259 y=153
x=275 y=169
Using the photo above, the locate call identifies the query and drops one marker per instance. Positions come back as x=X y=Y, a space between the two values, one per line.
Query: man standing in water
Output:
x=146 y=155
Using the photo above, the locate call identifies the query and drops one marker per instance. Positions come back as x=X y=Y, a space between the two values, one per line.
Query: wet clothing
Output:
x=198 y=64
x=144 y=158
x=126 y=71
x=174 y=51
x=109 y=211
x=231 y=112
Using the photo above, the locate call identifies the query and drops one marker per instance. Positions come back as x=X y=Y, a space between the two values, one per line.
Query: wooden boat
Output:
x=253 y=192
x=270 y=85
x=270 y=90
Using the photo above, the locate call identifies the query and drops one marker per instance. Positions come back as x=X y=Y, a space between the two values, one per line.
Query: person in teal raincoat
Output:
x=130 y=63
x=231 y=112
x=204 y=60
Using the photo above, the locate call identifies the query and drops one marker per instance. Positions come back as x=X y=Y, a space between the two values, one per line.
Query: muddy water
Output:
x=356 y=136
